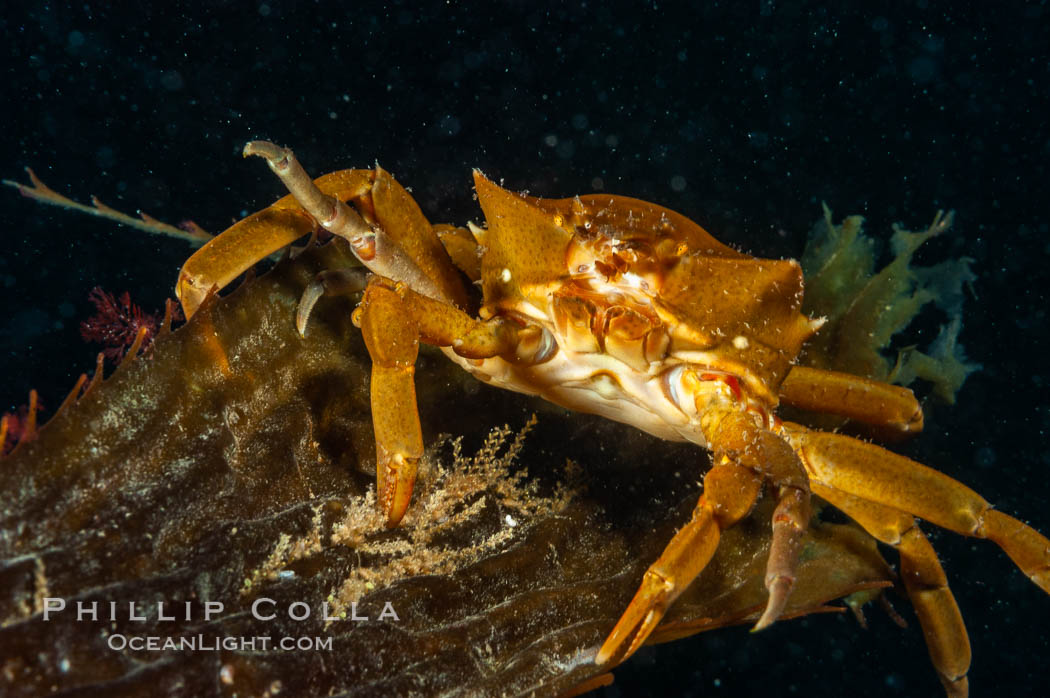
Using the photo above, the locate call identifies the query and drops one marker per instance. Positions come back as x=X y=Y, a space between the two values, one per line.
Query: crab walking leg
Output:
x=861 y=399
x=756 y=455
x=446 y=326
x=343 y=282
x=735 y=433
x=392 y=338
x=790 y=520
x=242 y=245
x=393 y=320
x=924 y=580
x=386 y=252
x=883 y=477
x=729 y=493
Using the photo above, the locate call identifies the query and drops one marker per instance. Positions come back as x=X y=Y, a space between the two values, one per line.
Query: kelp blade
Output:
x=219 y=468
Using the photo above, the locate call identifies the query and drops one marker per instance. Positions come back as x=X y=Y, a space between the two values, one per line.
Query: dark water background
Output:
x=744 y=116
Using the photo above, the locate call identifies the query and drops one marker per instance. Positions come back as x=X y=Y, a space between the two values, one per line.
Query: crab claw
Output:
x=683 y=559
x=647 y=608
x=396 y=480
x=729 y=493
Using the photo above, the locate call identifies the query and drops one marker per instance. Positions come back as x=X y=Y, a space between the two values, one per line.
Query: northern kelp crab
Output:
x=251 y=487
x=623 y=308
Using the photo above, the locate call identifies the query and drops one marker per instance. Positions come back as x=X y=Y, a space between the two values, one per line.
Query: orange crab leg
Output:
x=736 y=434
x=729 y=493
x=393 y=320
x=392 y=338
x=861 y=399
x=924 y=580
x=462 y=249
x=883 y=477
x=754 y=455
x=227 y=256
x=401 y=246
x=396 y=241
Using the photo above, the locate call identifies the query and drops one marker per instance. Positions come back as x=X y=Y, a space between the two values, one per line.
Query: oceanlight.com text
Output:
x=212 y=643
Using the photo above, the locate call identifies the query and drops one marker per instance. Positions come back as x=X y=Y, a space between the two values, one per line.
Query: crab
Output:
x=618 y=307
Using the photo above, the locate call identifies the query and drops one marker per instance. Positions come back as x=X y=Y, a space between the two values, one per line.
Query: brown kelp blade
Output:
x=233 y=467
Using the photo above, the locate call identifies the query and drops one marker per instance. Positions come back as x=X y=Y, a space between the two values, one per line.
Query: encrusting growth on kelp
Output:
x=479 y=498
